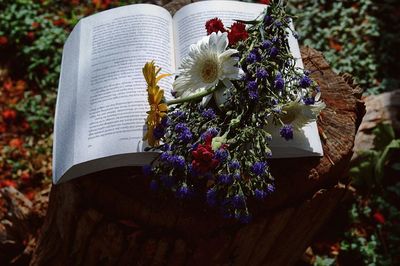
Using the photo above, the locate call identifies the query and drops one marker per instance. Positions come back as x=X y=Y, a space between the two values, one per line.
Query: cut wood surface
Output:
x=111 y=218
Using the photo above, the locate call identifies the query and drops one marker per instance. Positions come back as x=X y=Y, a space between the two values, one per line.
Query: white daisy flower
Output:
x=208 y=62
x=298 y=114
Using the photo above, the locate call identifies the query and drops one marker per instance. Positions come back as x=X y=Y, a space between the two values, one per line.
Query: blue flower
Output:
x=177 y=161
x=261 y=73
x=287 y=132
x=178 y=114
x=308 y=100
x=211 y=132
x=266 y=44
x=208 y=113
x=164 y=157
x=253 y=95
x=279 y=82
x=153 y=185
x=252 y=85
x=221 y=155
x=146 y=170
x=260 y=194
x=234 y=164
x=251 y=58
x=259 y=168
x=270 y=188
x=159 y=132
x=305 y=82
x=238 y=201
x=182 y=192
x=274 y=51
x=225 y=179
x=237 y=176
x=268 y=20
x=165 y=121
x=165 y=147
x=184 y=133
x=278 y=23
x=211 y=197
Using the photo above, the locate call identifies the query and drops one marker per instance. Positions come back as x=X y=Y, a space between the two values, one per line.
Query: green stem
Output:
x=194 y=96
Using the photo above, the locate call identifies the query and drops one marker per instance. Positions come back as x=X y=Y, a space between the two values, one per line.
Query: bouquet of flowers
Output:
x=232 y=87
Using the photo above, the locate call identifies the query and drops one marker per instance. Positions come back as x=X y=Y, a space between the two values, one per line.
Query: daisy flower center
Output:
x=209 y=70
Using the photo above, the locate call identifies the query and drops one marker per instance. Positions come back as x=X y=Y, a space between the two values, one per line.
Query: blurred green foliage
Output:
x=357 y=37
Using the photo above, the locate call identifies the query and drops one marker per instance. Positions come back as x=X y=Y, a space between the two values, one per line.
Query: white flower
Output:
x=207 y=63
x=298 y=114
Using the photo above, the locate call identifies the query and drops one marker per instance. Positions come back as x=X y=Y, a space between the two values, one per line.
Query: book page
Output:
x=189 y=27
x=64 y=122
x=112 y=97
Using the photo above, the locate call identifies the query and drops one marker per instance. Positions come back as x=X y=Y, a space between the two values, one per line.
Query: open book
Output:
x=102 y=98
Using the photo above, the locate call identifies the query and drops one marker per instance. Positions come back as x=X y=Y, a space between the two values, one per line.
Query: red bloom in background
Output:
x=379 y=217
x=265 y=2
x=3 y=40
x=15 y=143
x=9 y=115
x=238 y=33
x=7 y=183
x=204 y=157
x=214 y=25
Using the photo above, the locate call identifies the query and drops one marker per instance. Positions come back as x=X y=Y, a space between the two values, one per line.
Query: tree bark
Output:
x=111 y=218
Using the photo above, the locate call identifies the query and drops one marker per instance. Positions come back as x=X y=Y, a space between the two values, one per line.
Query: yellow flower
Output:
x=155 y=95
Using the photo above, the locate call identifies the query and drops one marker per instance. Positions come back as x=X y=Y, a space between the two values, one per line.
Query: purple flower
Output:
x=165 y=121
x=287 y=132
x=153 y=185
x=274 y=51
x=164 y=156
x=211 y=197
x=146 y=170
x=270 y=188
x=165 y=147
x=238 y=201
x=177 y=161
x=279 y=82
x=208 y=114
x=225 y=179
x=252 y=85
x=184 y=133
x=211 y=132
x=261 y=73
x=305 y=82
x=178 y=114
x=266 y=44
x=234 y=164
x=159 y=132
x=253 y=95
x=268 y=20
x=251 y=58
x=221 y=155
x=278 y=23
x=308 y=100
x=259 y=194
x=237 y=176
x=259 y=168
x=182 y=192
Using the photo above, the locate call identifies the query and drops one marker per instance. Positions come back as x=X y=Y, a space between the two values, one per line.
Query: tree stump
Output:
x=111 y=218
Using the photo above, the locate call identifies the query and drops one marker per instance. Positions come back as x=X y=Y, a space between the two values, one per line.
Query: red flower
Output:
x=31 y=35
x=265 y=2
x=214 y=25
x=3 y=40
x=59 y=22
x=204 y=157
x=238 y=33
x=9 y=115
x=15 y=143
x=35 y=25
x=8 y=85
x=7 y=183
x=379 y=217
x=25 y=176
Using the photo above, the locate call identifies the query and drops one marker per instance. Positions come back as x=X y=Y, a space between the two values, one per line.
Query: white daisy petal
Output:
x=207 y=63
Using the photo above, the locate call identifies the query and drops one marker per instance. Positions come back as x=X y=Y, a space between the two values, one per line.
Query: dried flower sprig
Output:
x=215 y=138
